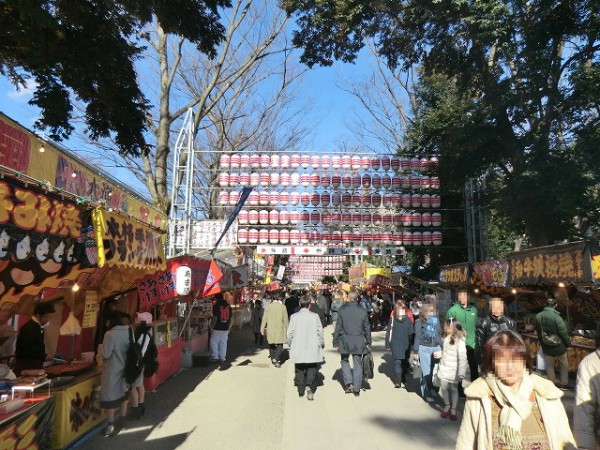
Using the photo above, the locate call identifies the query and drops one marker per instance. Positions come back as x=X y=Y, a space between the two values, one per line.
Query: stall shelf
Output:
x=575 y=353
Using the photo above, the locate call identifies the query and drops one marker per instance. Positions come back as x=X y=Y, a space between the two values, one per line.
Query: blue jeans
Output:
x=427 y=363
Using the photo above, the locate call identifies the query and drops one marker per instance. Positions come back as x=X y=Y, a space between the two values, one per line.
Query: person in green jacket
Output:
x=551 y=323
x=466 y=313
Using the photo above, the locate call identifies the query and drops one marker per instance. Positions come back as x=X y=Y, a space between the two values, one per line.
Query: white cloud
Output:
x=23 y=92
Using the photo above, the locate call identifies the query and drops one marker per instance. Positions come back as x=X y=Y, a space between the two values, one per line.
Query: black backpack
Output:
x=151 y=358
x=134 y=363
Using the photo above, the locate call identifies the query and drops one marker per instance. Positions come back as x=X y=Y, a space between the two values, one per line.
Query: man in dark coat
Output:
x=551 y=324
x=492 y=323
x=398 y=336
x=352 y=336
x=292 y=303
x=30 y=351
x=314 y=307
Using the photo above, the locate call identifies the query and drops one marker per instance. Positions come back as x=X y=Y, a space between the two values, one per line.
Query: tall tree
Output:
x=86 y=49
x=509 y=89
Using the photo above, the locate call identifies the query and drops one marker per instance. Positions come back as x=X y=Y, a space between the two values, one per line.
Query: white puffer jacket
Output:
x=453 y=364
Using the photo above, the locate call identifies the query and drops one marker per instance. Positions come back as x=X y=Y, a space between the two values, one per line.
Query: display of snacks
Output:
x=583 y=341
x=72 y=368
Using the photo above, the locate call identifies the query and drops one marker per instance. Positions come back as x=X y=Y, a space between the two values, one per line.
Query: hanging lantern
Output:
x=365 y=162
x=265 y=161
x=436 y=238
x=397 y=220
x=387 y=238
x=406 y=219
x=366 y=181
x=305 y=161
x=305 y=179
x=275 y=161
x=376 y=181
x=265 y=179
x=436 y=201
x=387 y=219
x=274 y=236
x=367 y=237
x=347 y=181
x=424 y=165
x=295 y=161
x=263 y=198
x=366 y=218
x=254 y=179
x=336 y=162
x=255 y=161
x=284 y=236
x=375 y=163
x=224 y=161
x=223 y=198
x=415 y=200
x=396 y=182
x=304 y=237
x=325 y=162
x=336 y=217
x=415 y=182
x=346 y=199
x=387 y=200
x=404 y=164
x=263 y=217
x=356 y=181
x=416 y=220
x=244 y=160
x=376 y=237
x=223 y=179
x=274 y=179
x=294 y=217
x=356 y=218
x=386 y=181
x=315 y=180
x=395 y=164
x=284 y=179
x=346 y=218
x=376 y=199
x=417 y=238
x=425 y=201
x=242 y=236
x=415 y=164
x=234 y=161
x=253 y=236
x=284 y=198
x=356 y=199
x=336 y=199
x=396 y=200
x=426 y=218
x=433 y=163
x=346 y=237
x=336 y=180
x=356 y=237
x=436 y=219
x=365 y=199
x=325 y=199
x=315 y=199
x=243 y=217
x=397 y=238
x=315 y=217
x=234 y=196
x=284 y=217
x=404 y=182
x=427 y=238
x=263 y=236
x=336 y=236
x=284 y=161
x=356 y=162
x=376 y=218
x=405 y=200
x=253 y=217
x=315 y=161
x=294 y=198
x=325 y=180
x=234 y=180
x=385 y=163
x=326 y=217
x=274 y=217
x=305 y=217
x=295 y=179
x=305 y=199
x=244 y=179
x=325 y=237
x=407 y=238
x=346 y=162
x=435 y=183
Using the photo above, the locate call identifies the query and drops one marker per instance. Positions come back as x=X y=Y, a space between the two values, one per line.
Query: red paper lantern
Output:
x=265 y=161
x=436 y=219
x=397 y=238
x=275 y=161
x=386 y=181
x=365 y=199
x=356 y=218
x=263 y=217
x=336 y=162
x=325 y=162
x=436 y=238
x=252 y=236
x=367 y=237
x=416 y=220
x=223 y=198
x=415 y=164
x=406 y=219
x=336 y=236
x=224 y=161
x=315 y=199
x=284 y=161
x=396 y=182
x=284 y=217
x=234 y=161
x=284 y=236
x=376 y=199
x=305 y=161
x=244 y=179
x=385 y=163
x=253 y=217
x=336 y=180
x=242 y=236
x=356 y=199
x=263 y=236
x=427 y=238
x=305 y=217
x=436 y=201
x=274 y=217
x=397 y=219
x=346 y=162
x=387 y=238
x=294 y=236
x=263 y=198
x=243 y=217
x=305 y=199
x=274 y=179
x=223 y=179
x=357 y=237
x=294 y=217
x=325 y=199
x=356 y=162
x=255 y=161
x=415 y=200
x=315 y=179
x=424 y=166
x=244 y=160
x=234 y=196
x=304 y=237
x=435 y=183
x=347 y=181
x=284 y=198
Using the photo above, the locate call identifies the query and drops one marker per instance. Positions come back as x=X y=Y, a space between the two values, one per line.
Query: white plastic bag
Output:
x=540 y=362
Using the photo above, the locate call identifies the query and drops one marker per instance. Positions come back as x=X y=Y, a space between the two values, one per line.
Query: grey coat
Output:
x=398 y=336
x=275 y=321
x=305 y=337
x=114 y=353
x=335 y=308
x=352 y=330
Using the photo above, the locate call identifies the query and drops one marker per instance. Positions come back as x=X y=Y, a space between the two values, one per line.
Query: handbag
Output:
x=550 y=340
x=435 y=378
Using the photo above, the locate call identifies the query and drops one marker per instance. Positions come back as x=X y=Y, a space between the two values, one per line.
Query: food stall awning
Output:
x=574 y=263
x=456 y=274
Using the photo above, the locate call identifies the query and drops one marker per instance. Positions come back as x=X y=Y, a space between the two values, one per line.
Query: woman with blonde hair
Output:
x=452 y=367
x=509 y=408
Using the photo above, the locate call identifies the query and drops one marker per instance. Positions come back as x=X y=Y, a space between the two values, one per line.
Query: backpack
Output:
x=151 y=358
x=134 y=362
x=368 y=366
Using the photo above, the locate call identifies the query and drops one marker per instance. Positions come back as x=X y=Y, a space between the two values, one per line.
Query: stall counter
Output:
x=575 y=353
x=169 y=360
x=28 y=426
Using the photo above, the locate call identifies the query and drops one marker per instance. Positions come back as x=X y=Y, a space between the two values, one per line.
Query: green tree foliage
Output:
x=86 y=49
x=507 y=87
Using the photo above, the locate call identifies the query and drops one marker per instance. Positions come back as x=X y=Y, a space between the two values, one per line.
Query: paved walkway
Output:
x=249 y=404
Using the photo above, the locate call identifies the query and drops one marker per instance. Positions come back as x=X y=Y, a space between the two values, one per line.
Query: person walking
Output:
x=352 y=337
x=305 y=338
x=466 y=314
x=221 y=324
x=509 y=408
x=554 y=340
x=586 y=427
x=495 y=321
x=143 y=336
x=452 y=366
x=275 y=321
x=256 y=319
x=400 y=331
x=316 y=308
x=428 y=338
x=335 y=307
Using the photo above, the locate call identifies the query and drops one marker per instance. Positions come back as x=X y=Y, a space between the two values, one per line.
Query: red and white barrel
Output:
x=305 y=199
x=397 y=238
x=242 y=236
x=263 y=198
x=407 y=238
x=366 y=181
x=234 y=196
x=346 y=236
x=253 y=217
x=223 y=179
x=356 y=162
x=295 y=179
x=305 y=179
x=294 y=198
x=243 y=217
x=263 y=217
x=406 y=219
x=336 y=217
x=254 y=179
x=387 y=200
x=396 y=182
x=325 y=161
x=425 y=201
x=336 y=162
x=304 y=237
x=265 y=161
x=245 y=179
x=376 y=199
x=325 y=237
x=315 y=199
x=224 y=161
x=395 y=164
x=405 y=200
x=415 y=200
x=386 y=163
x=436 y=238
x=284 y=217
x=356 y=199
x=284 y=236
x=376 y=218
x=315 y=217
x=375 y=163
x=294 y=217
x=366 y=218
x=387 y=219
x=284 y=198
x=274 y=198
x=396 y=200
x=265 y=179
x=244 y=160
x=315 y=179
x=305 y=217
x=253 y=198
x=415 y=164
x=398 y=220
x=234 y=179
x=325 y=180
x=436 y=201
x=415 y=182
x=417 y=238
x=255 y=161
x=274 y=217
x=326 y=217
x=336 y=180
x=346 y=162
x=365 y=199
x=336 y=236
x=427 y=238
x=346 y=218
x=234 y=161
x=436 y=219
x=252 y=235
x=263 y=236
x=435 y=183
x=295 y=161
x=404 y=164
x=365 y=162
x=294 y=236
x=356 y=218
x=357 y=237
x=416 y=220
x=304 y=161
x=426 y=218
x=356 y=181
x=387 y=237
x=336 y=199
x=223 y=198
x=376 y=181
x=325 y=199
x=346 y=199
x=386 y=181
x=284 y=161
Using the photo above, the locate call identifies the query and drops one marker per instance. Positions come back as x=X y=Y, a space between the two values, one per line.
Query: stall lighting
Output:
x=41 y=149
x=513 y=291
x=73 y=174
x=75 y=287
x=561 y=285
x=476 y=291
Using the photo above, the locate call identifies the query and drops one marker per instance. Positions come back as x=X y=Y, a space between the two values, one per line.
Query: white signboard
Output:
x=316 y=250
x=205 y=234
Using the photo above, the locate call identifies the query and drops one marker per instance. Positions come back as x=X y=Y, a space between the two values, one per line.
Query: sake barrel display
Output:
x=242 y=236
x=263 y=236
x=234 y=196
x=274 y=236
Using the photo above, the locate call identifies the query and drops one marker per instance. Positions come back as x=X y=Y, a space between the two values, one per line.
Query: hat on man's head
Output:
x=144 y=317
x=551 y=302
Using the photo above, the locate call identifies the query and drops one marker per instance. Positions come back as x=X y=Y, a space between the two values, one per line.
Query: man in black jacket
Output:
x=30 y=351
x=352 y=336
x=492 y=323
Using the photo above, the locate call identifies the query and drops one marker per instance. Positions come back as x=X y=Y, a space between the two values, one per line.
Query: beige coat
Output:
x=476 y=427
x=587 y=401
x=275 y=320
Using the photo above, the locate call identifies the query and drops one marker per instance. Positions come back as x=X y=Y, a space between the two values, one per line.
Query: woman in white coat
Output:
x=452 y=367
x=508 y=408
x=305 y=338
